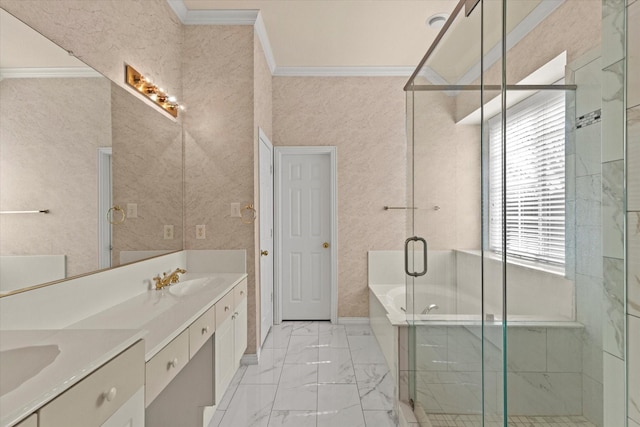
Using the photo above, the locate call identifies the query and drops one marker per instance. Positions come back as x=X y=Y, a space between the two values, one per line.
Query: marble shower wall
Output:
x=50 y=131
x=364 y=117
x=633 y=211
x=613 y=227
x=107 y=34
x=584 y=178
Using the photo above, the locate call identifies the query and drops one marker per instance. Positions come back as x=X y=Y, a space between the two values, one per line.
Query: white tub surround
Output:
x=115 y=308
x=71 y=355
x=544 y=350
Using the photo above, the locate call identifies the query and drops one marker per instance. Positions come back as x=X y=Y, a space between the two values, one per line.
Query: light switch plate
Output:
x=132 y=210
x=201 y=232
x=168 y=232
x=235 y=210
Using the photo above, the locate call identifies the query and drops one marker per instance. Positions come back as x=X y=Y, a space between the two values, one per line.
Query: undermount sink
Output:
x=189 y=287
x=20 y=364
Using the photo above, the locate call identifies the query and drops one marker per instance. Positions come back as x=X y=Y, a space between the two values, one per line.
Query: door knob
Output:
x=325 y=245
x=264 y=253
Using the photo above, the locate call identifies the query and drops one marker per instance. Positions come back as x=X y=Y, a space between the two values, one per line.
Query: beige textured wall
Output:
x=447 y=175
x=219 y=143
x=147 y=171
x=106 y=34
x=50 y=130
x=364 y=117
x=545 y=42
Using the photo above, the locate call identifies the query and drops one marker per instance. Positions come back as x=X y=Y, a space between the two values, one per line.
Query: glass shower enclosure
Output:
x=512 y=300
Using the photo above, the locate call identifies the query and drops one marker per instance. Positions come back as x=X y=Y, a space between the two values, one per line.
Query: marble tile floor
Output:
x=312 y=374
x=454 y=420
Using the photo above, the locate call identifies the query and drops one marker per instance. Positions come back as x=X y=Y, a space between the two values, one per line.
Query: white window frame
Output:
x=544 y=244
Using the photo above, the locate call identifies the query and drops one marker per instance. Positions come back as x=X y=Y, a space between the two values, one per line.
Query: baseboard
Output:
x=208 y=412
x=353 y=320
x=249 y=359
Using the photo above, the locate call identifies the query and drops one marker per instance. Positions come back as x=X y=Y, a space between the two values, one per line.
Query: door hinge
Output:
x=271 y=232
x=271 y=169
x=271 y=296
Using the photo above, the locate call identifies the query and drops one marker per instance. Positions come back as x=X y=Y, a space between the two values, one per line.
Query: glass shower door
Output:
x=445 y=381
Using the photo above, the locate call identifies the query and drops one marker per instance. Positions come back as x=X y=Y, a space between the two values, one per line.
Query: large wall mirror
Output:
x=90 y=175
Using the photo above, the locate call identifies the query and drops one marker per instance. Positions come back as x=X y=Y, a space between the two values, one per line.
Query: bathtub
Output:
x=544 y=365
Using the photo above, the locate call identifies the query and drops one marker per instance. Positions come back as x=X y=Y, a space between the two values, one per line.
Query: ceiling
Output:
x=342 y=33
x=22 y=47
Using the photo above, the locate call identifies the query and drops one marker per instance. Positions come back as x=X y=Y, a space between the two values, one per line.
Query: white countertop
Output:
x=164 y=314
x=72 y=355
x=155 y=316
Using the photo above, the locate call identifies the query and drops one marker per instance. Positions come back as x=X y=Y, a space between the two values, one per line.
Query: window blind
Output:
x=535 y=179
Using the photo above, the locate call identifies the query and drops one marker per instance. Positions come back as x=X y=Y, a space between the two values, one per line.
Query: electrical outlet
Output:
x=201 y=232
x=235 y=210
x=132 y=210
x=168 y=232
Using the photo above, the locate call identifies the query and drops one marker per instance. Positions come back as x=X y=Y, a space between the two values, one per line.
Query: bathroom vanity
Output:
x=133 y=361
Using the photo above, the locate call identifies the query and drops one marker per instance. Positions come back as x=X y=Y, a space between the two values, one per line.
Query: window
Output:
x=535 y=179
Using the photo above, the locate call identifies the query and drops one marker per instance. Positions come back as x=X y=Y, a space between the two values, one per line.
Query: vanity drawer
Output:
x=94 y=399
x=224 y=308
x=201 y=330
x=239 y=292
x=165 y=365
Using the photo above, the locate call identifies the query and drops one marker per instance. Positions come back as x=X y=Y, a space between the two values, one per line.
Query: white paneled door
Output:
x=266 y=236
x=305 y=228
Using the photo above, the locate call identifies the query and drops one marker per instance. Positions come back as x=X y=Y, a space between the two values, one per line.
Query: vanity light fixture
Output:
x=153 y=92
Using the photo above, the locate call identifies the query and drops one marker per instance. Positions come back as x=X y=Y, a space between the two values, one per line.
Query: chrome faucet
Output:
x=431 y=307
x=167 y=280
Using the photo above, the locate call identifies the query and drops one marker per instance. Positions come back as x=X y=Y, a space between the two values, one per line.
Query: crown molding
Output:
x=344 y=71
x=254 y=17
x=261 y=32
x=47 y=73
x=213 y=17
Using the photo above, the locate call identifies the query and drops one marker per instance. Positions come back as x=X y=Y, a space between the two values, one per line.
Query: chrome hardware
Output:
x=173 y=363
x=431 y=307
x=424 y=256
x=205 y=330
x=226 y=308
x=387 y=208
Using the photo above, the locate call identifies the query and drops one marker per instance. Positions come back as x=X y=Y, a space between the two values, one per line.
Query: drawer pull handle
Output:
x=241 y=292
x=235 y=314
x=110 y=395
x=233 y=317
x=226 y=308
x=205 y=330
x=173 y=363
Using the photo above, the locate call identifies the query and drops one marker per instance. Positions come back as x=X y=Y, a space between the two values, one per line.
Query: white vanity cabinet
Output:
x=230 y=336
x=32 y=421
x=111 y=396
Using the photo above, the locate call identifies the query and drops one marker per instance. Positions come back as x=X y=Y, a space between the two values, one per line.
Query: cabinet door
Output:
x=240 y=332
x=131 y=414
x=224 y=355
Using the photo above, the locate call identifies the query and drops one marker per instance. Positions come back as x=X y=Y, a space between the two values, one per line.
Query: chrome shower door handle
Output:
x=424 y=256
